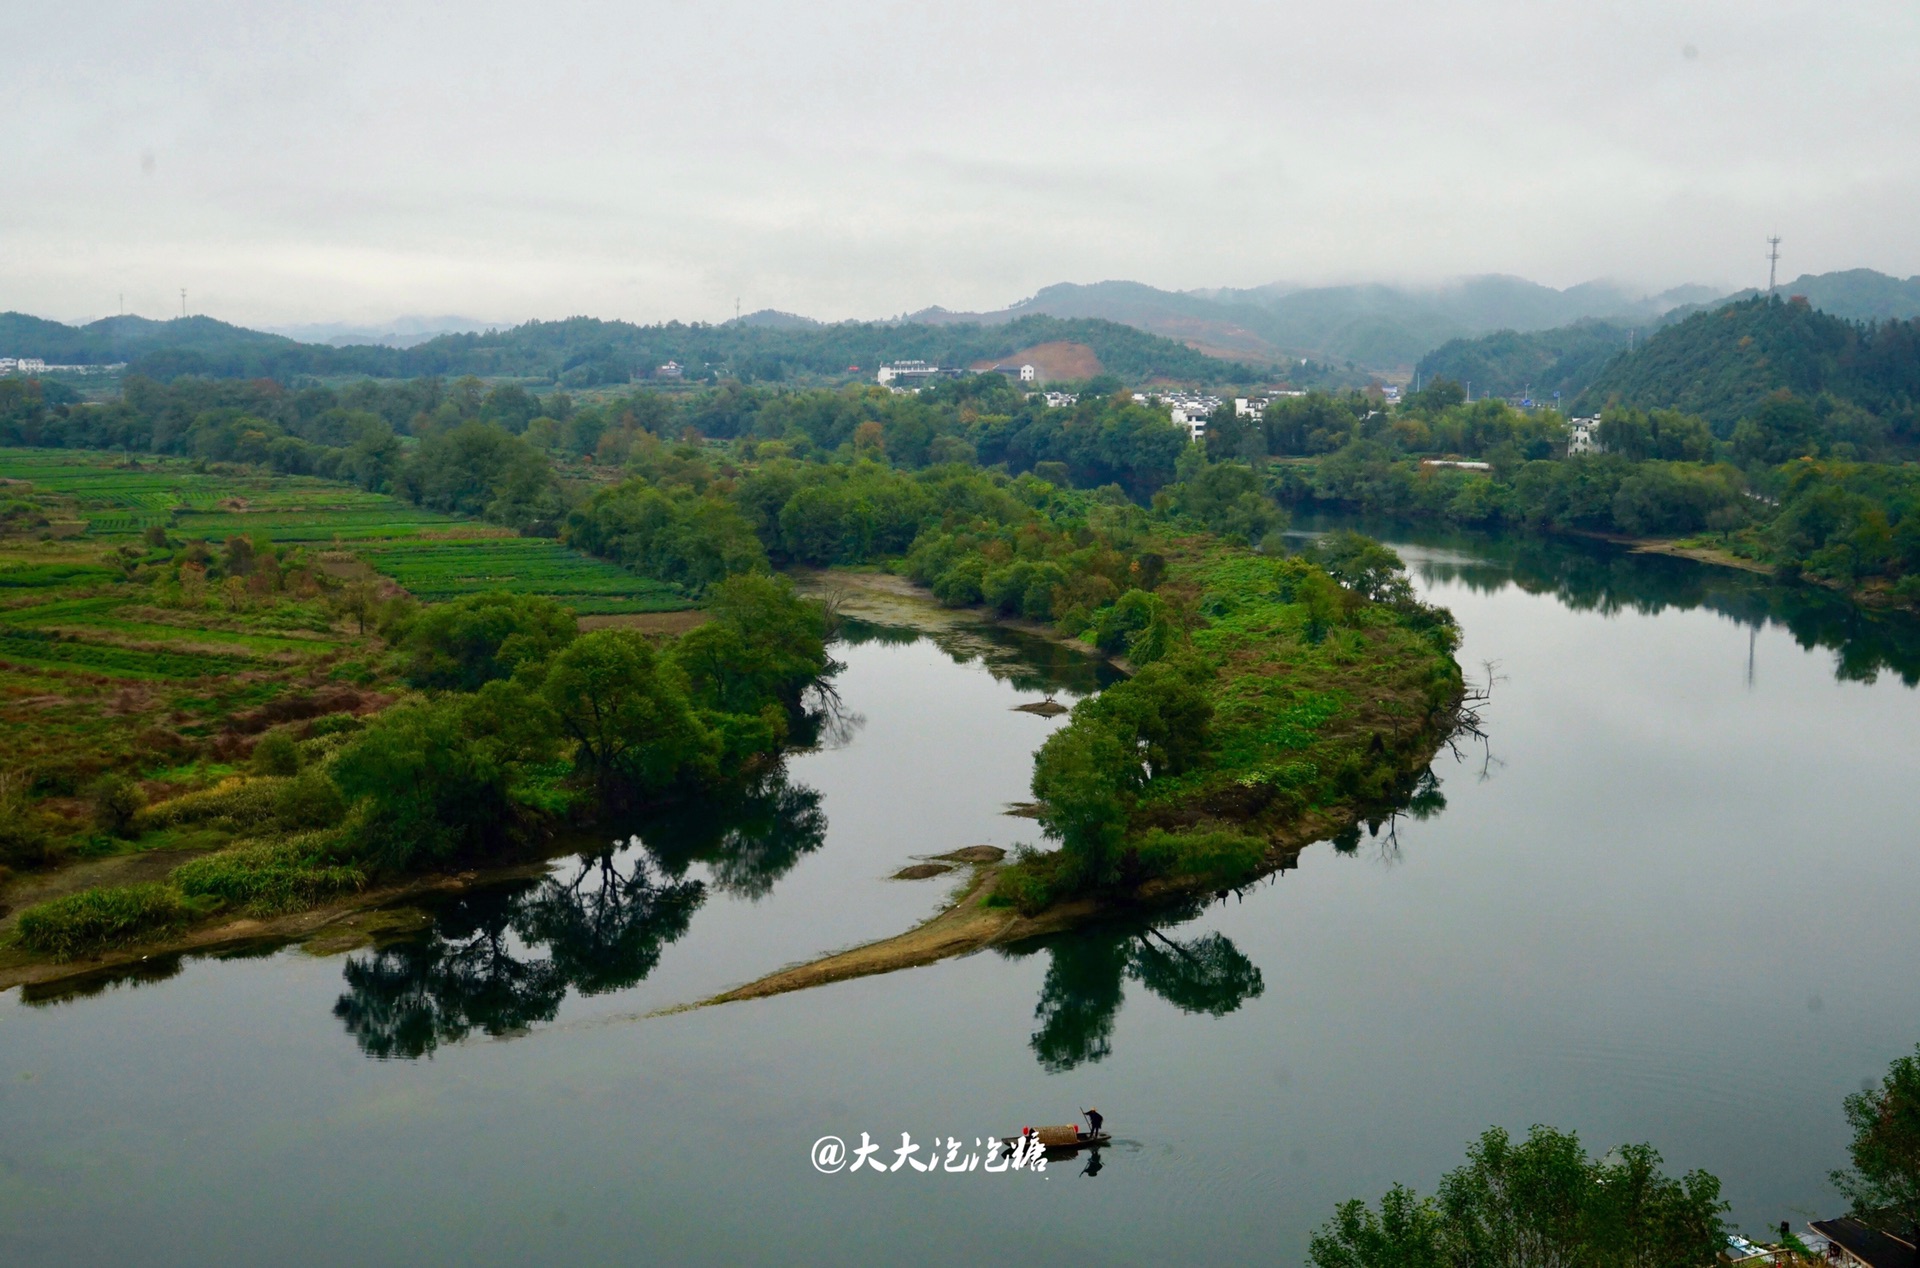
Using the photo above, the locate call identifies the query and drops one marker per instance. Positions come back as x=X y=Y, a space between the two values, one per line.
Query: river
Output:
x=1669 y=898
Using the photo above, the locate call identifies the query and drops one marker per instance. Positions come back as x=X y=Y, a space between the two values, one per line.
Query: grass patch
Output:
x=271 y=878
x=439 y=570
x=102 y=919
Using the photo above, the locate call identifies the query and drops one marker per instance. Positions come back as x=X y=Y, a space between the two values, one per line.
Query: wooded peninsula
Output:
x=225 y=704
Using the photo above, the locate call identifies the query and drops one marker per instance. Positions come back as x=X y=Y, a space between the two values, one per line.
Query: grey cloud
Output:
x=853 y=158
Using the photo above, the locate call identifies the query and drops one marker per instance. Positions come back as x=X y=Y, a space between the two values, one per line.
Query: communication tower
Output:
x=1773 y=260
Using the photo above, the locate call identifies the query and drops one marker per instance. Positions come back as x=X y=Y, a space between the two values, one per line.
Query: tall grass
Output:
x=101 y=919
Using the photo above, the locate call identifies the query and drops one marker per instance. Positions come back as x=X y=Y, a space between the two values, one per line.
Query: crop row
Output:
x=437 y=570
x=34 y=576
x=314 y=525
x=39 y=650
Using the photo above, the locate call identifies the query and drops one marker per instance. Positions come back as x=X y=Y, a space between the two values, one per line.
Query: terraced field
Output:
x=436 y=570
x=431 y=555
x=115 y=655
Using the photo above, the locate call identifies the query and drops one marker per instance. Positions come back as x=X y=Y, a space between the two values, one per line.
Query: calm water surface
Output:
x=1671 y=899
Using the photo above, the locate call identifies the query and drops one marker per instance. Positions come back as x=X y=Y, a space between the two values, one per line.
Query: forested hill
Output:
x=1725 y=363
x=1858 y=294
x=1538 y=363
x=587 y=352
x=115 y=339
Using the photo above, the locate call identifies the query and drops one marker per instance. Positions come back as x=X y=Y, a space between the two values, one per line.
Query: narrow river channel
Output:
x=1670 y=898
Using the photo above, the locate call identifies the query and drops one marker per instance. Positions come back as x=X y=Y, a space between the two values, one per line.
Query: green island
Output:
x=238 y=695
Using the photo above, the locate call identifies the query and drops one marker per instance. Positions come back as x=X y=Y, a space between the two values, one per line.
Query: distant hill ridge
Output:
x=1503 y=333
x=127 y=338
x=587 y=352
x=1375 y=325
x=1718 y=361
x=1725 y=362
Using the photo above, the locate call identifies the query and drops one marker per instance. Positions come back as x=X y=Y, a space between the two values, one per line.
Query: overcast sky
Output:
x=852 y=158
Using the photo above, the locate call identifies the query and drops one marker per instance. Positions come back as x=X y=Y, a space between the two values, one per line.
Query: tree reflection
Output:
x=407 y=1000
x=1026 y=661
x=748 y=841
x=1080 y=999
x=1604 y=578
x=605 y=929
x=500 y=961
x=1086 y=984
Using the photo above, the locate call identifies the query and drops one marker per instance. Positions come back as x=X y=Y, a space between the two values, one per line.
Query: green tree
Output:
x=433 y=779
x=1542 y=1201
x=1370 y=569
x=1086 y=777
x=1884 y=1182
x=1227 y=497
x=1162 y=713
x=1408 y=1232
x=467 y=642
x=763 y=645
x=627 y=710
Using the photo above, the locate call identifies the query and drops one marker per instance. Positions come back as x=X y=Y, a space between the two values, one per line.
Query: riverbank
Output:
x=328 y=929
x=972 y=923
x=969 y=923
x=1397 y=731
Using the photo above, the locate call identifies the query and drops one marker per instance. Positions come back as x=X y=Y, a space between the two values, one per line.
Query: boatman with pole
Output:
x=1094 y=1119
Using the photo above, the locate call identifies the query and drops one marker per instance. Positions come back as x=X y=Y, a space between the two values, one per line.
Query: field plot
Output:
x=431 y=555
x=149 y=654
x=437 y=570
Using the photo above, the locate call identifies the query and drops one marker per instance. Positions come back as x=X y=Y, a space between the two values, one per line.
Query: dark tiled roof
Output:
x=1867 y=1245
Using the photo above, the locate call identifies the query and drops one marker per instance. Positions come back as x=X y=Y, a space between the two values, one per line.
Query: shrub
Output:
x=1035 y=880
x=276 y=754
x=1216 y=858
x=26 y=839
x=271 y=878
x=309 y=801
x=100 y=919
x=116 y=803
x=237 y=805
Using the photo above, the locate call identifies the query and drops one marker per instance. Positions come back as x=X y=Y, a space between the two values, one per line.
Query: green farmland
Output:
x=432 y=556
x=155 y=614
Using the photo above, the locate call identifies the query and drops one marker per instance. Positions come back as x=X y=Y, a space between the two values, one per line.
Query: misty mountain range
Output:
x=1375 y=327
x=401 y=332
x=1380 y=326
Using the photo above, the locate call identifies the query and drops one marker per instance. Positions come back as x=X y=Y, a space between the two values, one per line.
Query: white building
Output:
x=1187 y=409
x=911 y=371
x=1583 y=436
x=671 y=370
x=1059 y=400
x=22 y=365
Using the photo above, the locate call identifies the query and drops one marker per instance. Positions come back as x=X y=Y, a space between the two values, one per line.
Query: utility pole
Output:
x=183 y=302
x=736 y=308
x=1773 y=260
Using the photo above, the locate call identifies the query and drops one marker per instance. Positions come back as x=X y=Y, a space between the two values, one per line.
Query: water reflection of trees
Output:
x=501 y=960
x=1087 y=972
x=1027 y=661
x=1600 y=577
